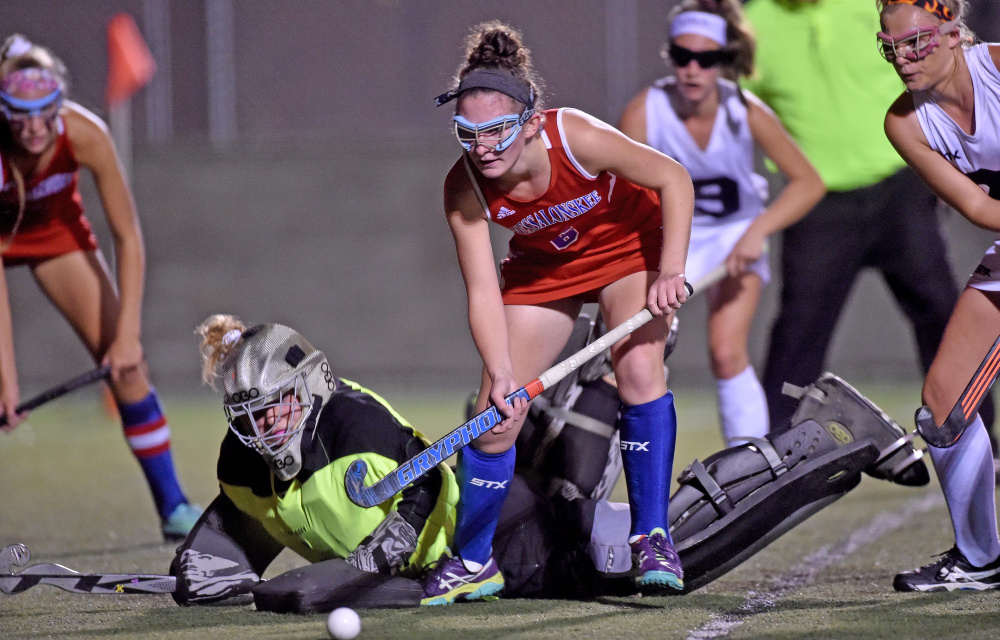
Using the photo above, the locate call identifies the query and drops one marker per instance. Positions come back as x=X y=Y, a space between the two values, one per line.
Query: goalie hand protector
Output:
x=386 y=548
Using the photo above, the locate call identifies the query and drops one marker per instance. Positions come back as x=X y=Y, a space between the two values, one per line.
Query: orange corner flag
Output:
x=130 y=64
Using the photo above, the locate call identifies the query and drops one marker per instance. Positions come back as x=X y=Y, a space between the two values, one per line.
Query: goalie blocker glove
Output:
x=388 y=547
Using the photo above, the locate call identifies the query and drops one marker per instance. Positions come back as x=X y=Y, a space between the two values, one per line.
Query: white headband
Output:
x=699 y=23
x=231 y=337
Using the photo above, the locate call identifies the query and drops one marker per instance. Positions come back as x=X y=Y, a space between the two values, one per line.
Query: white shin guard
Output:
x=967 y=478
x=742 y=407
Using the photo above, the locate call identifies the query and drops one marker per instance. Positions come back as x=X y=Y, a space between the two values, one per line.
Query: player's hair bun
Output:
x=219 y=337
x=494 y=45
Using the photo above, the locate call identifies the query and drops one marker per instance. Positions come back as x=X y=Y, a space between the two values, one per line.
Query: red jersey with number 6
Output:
x=53 y=221
x=582 y=234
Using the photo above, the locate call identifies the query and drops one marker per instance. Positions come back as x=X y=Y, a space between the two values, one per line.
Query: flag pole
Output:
x=130 y=67
x=120 y=124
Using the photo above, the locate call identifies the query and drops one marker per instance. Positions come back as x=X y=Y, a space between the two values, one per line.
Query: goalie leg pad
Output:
x=743 y=498
x=324 y=586
x=849 y=417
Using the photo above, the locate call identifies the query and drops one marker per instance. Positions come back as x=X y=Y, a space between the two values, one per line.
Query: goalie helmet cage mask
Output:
x=275 y=382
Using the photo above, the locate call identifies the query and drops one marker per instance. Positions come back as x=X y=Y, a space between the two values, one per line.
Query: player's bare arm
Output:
x=802 y=191
x=598 y=147
x=633 y=120
x=95 y=150
x=10 y=393
x=470 y=228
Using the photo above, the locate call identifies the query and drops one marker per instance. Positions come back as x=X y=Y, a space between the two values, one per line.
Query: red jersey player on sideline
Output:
x=44 y=140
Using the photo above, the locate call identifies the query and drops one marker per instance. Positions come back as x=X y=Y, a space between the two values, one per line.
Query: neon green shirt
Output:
x=311 y=514
x=818 y=68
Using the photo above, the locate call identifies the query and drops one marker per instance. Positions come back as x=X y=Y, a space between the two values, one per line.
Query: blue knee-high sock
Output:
x=648 y=434
x=483 y=481
x=148 y=436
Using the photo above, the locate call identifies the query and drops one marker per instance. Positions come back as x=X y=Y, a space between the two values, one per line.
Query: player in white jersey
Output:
x=947 y=127
x=703 y=120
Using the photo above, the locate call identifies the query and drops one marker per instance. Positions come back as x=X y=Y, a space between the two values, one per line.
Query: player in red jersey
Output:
x=596 y=217
x=44 y=140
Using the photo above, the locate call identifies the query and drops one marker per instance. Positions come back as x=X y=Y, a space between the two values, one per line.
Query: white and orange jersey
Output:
x=977 y=154
x=584 y=232
x=53 y=221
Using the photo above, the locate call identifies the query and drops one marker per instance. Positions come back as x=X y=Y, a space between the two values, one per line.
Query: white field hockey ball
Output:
x=343 y=623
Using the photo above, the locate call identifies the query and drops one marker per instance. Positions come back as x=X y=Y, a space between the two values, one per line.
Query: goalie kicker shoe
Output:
x=658 y=564
x=451 y=581
x=950 y=573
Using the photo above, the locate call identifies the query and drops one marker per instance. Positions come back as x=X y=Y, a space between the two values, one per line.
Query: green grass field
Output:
x=73 y=494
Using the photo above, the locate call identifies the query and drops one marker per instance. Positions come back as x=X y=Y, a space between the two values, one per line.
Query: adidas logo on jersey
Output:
x=504 y=212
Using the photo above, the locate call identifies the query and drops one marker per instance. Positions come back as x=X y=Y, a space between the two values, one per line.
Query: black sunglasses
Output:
x=682 y=57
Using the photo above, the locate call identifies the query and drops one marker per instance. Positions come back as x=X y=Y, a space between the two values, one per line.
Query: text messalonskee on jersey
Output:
x=726 y=188
x=53 y=222
x=583 y=232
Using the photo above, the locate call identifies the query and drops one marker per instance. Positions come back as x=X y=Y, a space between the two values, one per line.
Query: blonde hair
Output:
x=219 y=339
x=34 y=57
x=738 y=33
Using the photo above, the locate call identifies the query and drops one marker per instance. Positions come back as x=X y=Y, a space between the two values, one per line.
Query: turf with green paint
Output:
x=73 y=494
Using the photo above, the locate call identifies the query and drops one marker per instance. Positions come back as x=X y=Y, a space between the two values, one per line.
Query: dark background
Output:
x=287 y=161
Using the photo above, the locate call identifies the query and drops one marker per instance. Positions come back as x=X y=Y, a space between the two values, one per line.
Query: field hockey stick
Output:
x=369 y=496
x=965 y=409
x=718 y=273
x=710 y=278
x=60 y=390
x=66 y=579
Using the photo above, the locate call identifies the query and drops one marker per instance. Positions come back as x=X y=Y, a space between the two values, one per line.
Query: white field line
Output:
x=805 y=572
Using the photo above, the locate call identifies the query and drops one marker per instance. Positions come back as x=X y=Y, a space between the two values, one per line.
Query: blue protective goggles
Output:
x=18 y=110
x=496 y=134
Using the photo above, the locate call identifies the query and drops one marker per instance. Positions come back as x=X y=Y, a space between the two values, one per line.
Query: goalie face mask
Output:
x=273 y=382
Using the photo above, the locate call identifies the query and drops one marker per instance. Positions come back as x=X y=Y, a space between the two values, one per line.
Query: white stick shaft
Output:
x=564 y=368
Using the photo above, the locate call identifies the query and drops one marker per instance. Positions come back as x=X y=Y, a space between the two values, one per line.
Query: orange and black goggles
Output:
x=936 y=7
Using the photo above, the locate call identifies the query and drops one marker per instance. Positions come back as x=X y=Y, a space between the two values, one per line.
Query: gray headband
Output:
x=495 y=80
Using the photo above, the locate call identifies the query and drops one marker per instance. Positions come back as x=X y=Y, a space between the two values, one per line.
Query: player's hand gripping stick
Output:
x=369 y=496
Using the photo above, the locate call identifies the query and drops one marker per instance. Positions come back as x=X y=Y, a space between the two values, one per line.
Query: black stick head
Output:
x=940 y=437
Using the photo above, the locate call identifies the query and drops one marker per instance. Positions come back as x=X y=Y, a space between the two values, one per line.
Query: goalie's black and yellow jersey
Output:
x=311 y=514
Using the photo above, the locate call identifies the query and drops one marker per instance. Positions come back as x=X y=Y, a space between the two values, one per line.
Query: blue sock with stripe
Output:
x=648 y=434
x=483 y=482
x=148 y=436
